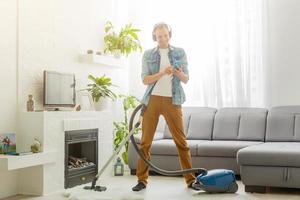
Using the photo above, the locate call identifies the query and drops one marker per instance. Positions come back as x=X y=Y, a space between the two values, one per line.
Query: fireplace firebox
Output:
x=81 y=156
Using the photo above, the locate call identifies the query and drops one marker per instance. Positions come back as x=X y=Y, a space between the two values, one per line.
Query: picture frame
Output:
x=85 y=100
x=7 y=143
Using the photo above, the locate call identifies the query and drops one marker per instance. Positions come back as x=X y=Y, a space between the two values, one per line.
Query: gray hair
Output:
x=161 y=25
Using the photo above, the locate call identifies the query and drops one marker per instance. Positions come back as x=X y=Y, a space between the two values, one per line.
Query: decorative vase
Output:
x=30 y=103
x=36 y=147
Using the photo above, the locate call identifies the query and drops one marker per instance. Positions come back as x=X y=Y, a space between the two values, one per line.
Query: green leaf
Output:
x=126 y=40
x=100 y=87
x=125 y=157
x=121 y=128
x=135 y=30
x=92 y=78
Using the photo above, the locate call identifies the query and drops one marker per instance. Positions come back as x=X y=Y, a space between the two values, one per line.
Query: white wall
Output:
x=283 y=52
x=8 y=84
x=52 y=34
x=8 y=88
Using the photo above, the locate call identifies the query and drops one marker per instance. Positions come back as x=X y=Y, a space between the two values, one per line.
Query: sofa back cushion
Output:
x=283 y=124
x=240 y=124
x=186 y=114
x=201 y=126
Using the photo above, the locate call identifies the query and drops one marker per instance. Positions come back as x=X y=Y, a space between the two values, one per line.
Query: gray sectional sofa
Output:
x=276 y=162
x=262 y=147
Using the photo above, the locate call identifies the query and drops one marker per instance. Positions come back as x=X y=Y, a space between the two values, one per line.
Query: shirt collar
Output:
x=171 y=48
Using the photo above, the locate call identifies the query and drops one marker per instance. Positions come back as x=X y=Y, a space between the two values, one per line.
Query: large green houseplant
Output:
x=124 y=42
x=100 y=90
x=121 y=129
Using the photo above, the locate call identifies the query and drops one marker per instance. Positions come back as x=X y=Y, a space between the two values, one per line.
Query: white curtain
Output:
x=223 y=42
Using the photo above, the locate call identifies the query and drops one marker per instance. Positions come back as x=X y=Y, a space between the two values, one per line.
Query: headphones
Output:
x=161 y=25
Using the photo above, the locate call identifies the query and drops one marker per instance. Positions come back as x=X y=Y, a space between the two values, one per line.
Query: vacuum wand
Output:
x=116 y=152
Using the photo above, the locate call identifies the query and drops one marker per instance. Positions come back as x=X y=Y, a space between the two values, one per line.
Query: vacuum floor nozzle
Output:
x=96 y=188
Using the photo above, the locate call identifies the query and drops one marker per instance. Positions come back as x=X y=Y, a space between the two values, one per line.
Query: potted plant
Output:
x=121 y=129
x=122 y=43
x=100 y=91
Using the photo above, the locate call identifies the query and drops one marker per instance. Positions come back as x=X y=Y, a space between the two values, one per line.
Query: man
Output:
x=6 y=143
x=163 y=70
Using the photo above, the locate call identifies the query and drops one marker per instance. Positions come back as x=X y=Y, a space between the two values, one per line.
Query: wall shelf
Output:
x=104 y=60
x=10 y=162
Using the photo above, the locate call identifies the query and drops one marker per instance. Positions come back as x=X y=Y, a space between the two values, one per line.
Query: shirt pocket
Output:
x=177 y=61
x=152 y=64
x=177 y=55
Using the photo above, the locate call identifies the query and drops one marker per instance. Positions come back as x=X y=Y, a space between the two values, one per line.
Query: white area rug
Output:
x=159 y=188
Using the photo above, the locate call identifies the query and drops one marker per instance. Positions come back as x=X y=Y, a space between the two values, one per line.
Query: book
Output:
x=19 y=153
x=7 y=143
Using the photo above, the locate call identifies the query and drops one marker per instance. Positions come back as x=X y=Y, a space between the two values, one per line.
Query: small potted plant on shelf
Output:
x=121 y=129
x=100 y=91
x=122 y=43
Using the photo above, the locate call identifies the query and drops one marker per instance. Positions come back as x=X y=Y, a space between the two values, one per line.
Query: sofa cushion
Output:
x=286 y=109
x=168 y=147
x=283 y=124
x=157 y=136
x=226 y=126
x=186 y=112
x=271 y=154
x=240 y=124
x=200 y=126
x=252 y=126
x=280 y=127
x=223 y=148
x=297 y=128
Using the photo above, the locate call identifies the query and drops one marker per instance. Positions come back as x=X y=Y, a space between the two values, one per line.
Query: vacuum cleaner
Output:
x=210 y=181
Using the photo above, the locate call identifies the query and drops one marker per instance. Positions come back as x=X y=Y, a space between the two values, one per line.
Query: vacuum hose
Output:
x=152 y=166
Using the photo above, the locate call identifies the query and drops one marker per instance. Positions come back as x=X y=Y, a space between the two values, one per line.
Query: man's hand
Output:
x=168 y=70
x=178 y=71
x=150 y=79
x=180 y=74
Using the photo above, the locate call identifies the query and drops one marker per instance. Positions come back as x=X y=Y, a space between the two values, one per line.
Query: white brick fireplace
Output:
x=49 y=128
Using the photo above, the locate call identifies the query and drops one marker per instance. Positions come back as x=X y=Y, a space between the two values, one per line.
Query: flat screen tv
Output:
x=59 y=89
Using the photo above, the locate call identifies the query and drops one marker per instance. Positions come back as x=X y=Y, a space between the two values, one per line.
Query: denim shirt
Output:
x=151 y=65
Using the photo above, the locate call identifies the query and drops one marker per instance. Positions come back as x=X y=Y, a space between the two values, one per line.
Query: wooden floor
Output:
x=159 y=187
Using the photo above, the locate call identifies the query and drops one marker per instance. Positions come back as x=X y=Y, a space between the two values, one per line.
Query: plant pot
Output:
x=102 y=104
x=117 y=53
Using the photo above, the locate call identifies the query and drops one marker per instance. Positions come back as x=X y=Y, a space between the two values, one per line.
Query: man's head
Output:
x=162 y=33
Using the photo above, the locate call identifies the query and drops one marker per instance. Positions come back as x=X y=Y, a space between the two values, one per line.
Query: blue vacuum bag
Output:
x=217 y=180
